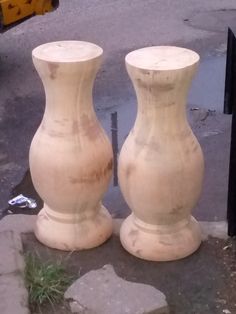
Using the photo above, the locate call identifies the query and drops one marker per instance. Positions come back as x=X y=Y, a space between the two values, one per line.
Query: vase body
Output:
x=70 y=155
x=161 y=162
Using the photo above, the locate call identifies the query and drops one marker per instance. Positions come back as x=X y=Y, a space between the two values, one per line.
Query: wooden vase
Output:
x=161 y=163
x=70 y=155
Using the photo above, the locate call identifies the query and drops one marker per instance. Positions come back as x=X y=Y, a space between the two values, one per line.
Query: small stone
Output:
x=76 y=307
x=227 y=247
x=103 y=292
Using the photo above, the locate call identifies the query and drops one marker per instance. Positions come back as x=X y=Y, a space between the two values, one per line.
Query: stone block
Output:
x=103 y=292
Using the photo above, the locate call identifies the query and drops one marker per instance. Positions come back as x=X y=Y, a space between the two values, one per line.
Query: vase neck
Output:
x=68 y=87
x=161 y=97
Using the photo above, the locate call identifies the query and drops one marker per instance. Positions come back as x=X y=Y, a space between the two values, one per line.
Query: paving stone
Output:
x=11 y=253
x=215 y=229
x=18 y=223
x=13 y=295
x=103 y=292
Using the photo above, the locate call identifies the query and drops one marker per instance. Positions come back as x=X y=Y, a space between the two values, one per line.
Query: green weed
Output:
x=46 y=282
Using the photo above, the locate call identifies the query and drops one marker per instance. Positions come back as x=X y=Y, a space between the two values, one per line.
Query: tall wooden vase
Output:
x=70 y=155
x=161 y=163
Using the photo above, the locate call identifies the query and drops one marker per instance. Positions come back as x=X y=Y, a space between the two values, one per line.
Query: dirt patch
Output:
x=60 y=308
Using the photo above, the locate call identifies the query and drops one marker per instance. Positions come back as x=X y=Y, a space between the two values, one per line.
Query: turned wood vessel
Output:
x=161 y=163
x=70 y=155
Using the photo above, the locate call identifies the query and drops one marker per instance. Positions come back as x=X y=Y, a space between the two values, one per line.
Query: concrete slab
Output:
x=18 y=223
x=11 y=253
x=214 y=229
x=13 y=295
x=103 y=292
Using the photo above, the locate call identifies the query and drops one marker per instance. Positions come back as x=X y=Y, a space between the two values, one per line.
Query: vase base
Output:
x=160 y=243
x=68 y=233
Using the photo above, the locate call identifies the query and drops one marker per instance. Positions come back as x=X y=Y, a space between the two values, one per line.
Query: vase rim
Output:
x=162 y=58
x=68 y=51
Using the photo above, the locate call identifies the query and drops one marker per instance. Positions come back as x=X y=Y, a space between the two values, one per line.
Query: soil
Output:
x=204 y=283
x=59 y=308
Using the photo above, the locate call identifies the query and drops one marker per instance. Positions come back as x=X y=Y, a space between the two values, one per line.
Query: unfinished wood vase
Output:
x=70 y=155
x=161 y=163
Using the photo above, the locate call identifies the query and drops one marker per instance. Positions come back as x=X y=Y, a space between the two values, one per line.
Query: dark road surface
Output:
x=119 y=27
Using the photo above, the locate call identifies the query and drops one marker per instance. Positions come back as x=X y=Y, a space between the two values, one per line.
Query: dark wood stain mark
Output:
x=138 y=252
x=165 y=243
x=134 y=242
x=75 y=127
x=170 y=104
x=151 y=144
x=176 y=210
x=195 y=148
x=187 y=151
x=130 y=169
x=74 y=180
x=165 y=87
x=60 y=122
x=142 y=84
x=54 y=133
x=66 y=247
x=90 y=127
x=110 y=165
x=53 y=67
x=133 y=233
x=145 y=72
x=185 y=134
x=94 y=176
x=155 y=87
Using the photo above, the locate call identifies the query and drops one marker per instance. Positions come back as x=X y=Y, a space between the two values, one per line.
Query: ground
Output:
x=202 y=283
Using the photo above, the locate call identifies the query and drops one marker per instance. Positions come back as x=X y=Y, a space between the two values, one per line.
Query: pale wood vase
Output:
x=70 y=156
x=161 y=163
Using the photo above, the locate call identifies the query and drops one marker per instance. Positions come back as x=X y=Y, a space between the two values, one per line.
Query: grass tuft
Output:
x=46 y=282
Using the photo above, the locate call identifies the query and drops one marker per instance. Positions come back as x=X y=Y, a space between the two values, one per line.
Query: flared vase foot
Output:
x=69 y=232
x=160 y=242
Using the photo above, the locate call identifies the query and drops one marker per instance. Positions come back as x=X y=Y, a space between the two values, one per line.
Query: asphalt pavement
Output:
x=119 y=27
